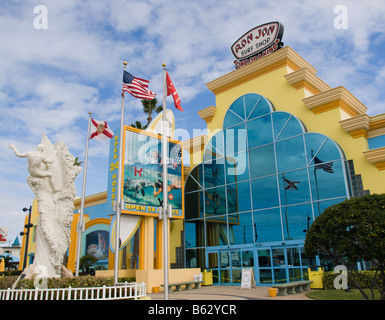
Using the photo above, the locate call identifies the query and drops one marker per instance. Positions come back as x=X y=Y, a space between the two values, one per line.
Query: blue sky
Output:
x=50 y=78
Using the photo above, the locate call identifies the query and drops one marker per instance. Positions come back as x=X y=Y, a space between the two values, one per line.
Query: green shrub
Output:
x=361 y=277
x=76 y=282
x=7 y=282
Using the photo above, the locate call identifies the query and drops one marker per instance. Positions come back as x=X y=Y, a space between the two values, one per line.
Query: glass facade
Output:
x=262 y=182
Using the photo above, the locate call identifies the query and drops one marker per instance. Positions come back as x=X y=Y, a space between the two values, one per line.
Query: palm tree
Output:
x=150 y=106
x=77 y=162
x=137 y=124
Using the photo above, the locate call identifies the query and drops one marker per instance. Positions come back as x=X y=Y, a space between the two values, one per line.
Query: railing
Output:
x=117 y=292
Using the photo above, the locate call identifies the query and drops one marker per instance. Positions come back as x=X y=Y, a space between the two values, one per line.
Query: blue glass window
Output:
x=195 y=208
x=264 y=178
x=290 y=154
x=241 y=228
x=235 y=139
x=262 y=161
x=259 y=131
x=267 y=225
x=238 y=197
x=296 y=219
x=214 y=173
x=294 y=187
x=215 y=201
x=237 y=167
x=265 y=192
x=263 y=107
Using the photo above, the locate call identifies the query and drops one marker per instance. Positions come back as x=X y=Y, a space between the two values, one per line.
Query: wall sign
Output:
x=257 y=43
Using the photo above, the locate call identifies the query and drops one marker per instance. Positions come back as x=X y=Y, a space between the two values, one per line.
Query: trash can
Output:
x=207 y=278
x=316 y=277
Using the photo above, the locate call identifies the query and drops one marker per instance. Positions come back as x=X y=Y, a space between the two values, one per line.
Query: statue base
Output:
x=32 y=272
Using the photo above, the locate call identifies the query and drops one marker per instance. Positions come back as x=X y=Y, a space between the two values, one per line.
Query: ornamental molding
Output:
x=376 y=157
x=356 y=126
x=304 y=78
x=335 y=98
x=207 y=114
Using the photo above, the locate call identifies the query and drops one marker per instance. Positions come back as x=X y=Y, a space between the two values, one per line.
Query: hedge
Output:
x=76 y=282
x=328 y=279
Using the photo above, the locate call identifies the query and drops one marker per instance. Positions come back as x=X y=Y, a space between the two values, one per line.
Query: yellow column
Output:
x=146 y=246
x=72 y=248
x=159 y=244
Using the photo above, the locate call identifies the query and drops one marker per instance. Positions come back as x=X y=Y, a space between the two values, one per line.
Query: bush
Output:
x=7 y=282
x=361 y=277
x=76 y=282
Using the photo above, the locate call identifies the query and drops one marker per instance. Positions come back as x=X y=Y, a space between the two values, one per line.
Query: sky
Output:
x=61 y=59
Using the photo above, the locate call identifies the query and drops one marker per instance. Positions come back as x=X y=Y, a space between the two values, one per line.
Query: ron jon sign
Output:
x=257 y=43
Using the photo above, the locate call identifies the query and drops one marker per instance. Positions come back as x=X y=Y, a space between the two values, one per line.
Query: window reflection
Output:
x=294 y=187
x=263 y=107
x=265 y=192
x=327 y=183
x=235 y=139
x=194 y=205
x=296 y=220
x=215 y=201
x=241 y=228
x=259 y=131
x=262 y=161
x=238 y=197
x=267 y=225
x=214 y=173
x=237 y=167
x=290 y=154
x=216 y=231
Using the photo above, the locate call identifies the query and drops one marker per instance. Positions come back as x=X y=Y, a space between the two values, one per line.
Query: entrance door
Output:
x=227 y=265
x=279 y=264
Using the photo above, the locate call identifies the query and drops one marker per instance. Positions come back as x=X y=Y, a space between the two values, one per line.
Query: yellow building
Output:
x=281 y=146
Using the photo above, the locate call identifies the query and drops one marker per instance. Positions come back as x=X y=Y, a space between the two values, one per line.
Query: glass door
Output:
x=226 y=266
x=263 y=266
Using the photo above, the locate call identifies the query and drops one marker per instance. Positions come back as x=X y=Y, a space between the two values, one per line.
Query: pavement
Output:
x=226 y=293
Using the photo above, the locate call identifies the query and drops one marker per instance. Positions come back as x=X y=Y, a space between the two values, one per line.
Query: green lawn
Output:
x=333 y=294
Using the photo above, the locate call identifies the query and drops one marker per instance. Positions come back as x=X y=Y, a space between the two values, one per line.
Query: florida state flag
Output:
x=171 y=90
x=100 y=130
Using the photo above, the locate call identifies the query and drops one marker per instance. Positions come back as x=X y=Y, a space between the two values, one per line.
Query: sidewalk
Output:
x=226 y=293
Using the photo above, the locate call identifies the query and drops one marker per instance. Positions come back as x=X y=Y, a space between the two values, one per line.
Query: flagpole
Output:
x=119 y=199
x=165 y=206
x=80 y=223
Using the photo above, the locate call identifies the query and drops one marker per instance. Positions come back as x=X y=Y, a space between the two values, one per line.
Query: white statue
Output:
x=52 y=179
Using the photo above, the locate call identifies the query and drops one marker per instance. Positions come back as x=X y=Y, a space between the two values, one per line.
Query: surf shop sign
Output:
x=257 y=43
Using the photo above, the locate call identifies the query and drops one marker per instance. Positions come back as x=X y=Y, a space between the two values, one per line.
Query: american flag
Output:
x=136 y=86
x=325 y=166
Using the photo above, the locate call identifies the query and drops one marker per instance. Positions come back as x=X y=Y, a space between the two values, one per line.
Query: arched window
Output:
x=263 y=178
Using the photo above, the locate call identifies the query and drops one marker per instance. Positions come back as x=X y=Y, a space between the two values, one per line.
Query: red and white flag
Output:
x=100 y=130
x=171 y=90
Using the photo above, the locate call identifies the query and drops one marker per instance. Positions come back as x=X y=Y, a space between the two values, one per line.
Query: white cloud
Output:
x=51 y=78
